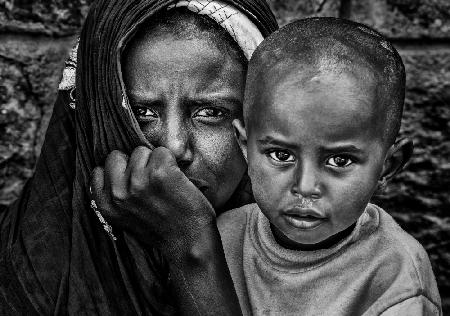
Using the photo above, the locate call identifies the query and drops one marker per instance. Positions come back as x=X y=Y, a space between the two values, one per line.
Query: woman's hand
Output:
x=148 y=196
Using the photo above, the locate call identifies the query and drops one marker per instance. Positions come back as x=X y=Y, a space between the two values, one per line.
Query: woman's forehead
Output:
x=182 y=24
x=175 y=55
x=160 y=66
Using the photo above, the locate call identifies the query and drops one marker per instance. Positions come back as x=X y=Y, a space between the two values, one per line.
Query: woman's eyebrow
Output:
x=147 y=103
x=215 y=101
x=136 y=96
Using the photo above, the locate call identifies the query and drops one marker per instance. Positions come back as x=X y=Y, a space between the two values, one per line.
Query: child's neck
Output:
x=325 y=244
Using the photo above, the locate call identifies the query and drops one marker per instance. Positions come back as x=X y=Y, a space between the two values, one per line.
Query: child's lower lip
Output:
x=306 y=222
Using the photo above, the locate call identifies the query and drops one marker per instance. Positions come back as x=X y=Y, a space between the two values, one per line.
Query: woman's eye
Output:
x=339 y=161
x=210 y=112
x=144 y=113
x=281 y=156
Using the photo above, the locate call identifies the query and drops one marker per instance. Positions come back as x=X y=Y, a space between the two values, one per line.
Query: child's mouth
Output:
x=304 y=218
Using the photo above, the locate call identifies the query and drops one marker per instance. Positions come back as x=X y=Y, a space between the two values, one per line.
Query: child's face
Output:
x=318 y=138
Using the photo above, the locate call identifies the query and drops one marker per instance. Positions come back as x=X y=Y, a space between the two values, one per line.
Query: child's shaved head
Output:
x=311 y=47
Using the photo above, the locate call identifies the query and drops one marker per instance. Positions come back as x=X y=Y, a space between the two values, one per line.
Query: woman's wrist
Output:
x=195 y=251
x=201 y=279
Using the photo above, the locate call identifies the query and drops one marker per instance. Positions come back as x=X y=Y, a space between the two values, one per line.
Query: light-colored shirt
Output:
x=378 y=269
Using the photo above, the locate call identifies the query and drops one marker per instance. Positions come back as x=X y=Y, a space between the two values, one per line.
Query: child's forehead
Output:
x=324 y=77
x=335 y=98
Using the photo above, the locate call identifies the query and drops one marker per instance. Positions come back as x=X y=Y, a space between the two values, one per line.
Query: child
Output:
x=322 y=110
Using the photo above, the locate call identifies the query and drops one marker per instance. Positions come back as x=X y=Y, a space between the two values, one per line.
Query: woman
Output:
x=55 y=256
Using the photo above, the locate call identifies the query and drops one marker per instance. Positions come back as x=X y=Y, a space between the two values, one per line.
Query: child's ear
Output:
x=241 y=136
x=396 y=158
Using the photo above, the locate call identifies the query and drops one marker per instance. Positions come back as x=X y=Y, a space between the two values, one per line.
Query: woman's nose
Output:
x=306 y=181
x=177 y=139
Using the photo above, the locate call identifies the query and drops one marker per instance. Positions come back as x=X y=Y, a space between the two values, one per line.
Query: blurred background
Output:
x=36 y=36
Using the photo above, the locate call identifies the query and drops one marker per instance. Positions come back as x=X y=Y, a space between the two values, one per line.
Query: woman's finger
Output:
x=139 y=158
x=116 y=182
x=138 y=178
x=161 y=159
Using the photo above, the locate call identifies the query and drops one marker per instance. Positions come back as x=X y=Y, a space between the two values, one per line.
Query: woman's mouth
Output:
x=202 y=185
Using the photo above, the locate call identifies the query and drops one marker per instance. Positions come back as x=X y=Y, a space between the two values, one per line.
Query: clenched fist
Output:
x=148 y=196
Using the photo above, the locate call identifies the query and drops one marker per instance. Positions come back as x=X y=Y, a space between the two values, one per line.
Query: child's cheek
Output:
x=351 y=197
x=256 y=174
x=265 y=183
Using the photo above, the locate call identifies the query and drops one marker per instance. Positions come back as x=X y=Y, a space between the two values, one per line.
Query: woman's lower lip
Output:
x=304 y=222
x=202 y=189
x=200 y=184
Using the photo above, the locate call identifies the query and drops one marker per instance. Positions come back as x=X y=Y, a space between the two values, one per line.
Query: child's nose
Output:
x=306 y=181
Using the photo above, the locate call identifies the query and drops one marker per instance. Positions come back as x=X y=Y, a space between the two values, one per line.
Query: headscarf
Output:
x=55 y=257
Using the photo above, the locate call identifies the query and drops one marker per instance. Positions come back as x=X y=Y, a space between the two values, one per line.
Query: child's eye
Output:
x=143 y=113
x=339 y=161
x=281 y=156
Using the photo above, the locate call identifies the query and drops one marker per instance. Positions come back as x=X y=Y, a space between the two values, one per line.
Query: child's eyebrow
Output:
x=268 y=140
x=342 y=148
x=348 y=148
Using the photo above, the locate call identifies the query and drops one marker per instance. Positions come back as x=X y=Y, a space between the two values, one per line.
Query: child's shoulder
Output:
x=232 y=225
x=405 y=258
x=398 y=240
x=235 y=219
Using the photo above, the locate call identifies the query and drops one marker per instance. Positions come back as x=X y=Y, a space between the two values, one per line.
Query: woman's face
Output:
x=185 y=93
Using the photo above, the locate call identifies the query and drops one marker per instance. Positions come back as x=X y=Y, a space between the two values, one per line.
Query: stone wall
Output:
x=35 y=37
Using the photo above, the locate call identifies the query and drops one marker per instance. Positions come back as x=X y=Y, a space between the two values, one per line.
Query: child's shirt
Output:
x=377 y=270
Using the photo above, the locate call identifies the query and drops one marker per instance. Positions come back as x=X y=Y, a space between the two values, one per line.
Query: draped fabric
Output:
x=55 y=257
